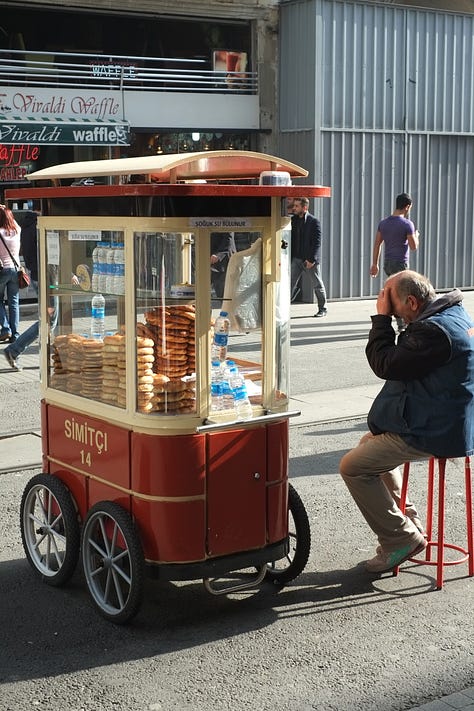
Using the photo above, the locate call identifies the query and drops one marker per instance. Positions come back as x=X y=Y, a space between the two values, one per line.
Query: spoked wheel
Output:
x=113 y=561
x=289 y=567
x=49 y=529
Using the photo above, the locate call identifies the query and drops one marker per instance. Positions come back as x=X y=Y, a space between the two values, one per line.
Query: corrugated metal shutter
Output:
x=376 y=100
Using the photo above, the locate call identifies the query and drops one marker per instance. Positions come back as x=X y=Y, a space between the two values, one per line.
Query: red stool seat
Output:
x=439 y=543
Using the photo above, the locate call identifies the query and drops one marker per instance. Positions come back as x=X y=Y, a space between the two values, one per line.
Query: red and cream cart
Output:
x=140 y=475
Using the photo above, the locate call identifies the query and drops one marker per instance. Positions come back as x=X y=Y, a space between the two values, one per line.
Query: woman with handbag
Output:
x=10 y=259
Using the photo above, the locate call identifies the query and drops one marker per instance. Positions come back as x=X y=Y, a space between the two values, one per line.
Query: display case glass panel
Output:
x=165 y=322
x=236 y=288
x=84 y=266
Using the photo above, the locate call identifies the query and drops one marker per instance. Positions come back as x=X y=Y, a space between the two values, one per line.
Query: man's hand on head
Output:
x=384 y=302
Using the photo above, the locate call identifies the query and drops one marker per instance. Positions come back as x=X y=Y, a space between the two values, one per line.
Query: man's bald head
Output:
x=410 y=283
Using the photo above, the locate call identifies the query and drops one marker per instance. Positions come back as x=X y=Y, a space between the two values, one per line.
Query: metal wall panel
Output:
x=354 y=165
x=442 y=170
x=298 y=66
x=395 y=114
x=440 y=77
x=396 y=69
x=363 y=50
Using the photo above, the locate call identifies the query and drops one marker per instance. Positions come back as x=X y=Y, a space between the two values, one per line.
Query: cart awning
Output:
x=172 y=168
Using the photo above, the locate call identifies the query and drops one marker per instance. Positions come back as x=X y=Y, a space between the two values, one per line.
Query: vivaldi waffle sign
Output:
x=65 y=131
x=44 y=117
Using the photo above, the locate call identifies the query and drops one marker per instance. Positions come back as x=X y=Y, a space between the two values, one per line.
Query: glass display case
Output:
x=106 y=278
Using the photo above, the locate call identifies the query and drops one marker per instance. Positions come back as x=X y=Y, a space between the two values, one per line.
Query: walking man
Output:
x=306 y=252
x=398 y=234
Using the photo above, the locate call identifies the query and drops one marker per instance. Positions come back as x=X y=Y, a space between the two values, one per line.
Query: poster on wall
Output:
x=231 y=64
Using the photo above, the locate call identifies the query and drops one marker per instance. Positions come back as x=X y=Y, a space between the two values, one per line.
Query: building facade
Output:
x=376 y=99
x=80 y=81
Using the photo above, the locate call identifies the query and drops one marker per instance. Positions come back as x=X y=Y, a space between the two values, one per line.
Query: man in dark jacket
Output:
x=306 y=251
x=222 y=248
x=425 y=408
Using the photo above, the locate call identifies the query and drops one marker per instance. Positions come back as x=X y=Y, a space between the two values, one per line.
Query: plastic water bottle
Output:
x=243 y=408
x=221 y=337
x=95 y=268
x=119 y=258
x=217 y=403
x=228 y=402
x=110 y=269
x=103 y=247
x=97 y=316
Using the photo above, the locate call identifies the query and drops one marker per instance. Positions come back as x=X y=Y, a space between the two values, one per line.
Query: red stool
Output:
x=440 y=544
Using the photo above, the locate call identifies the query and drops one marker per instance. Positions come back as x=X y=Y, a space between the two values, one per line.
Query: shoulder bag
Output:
x=23 y=278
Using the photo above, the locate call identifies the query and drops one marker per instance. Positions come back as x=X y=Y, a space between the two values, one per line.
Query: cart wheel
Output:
x=49 y=529
x=113 y=561
x=288 y=568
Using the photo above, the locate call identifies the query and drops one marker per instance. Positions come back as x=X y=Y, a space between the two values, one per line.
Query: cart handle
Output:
x=210 y=426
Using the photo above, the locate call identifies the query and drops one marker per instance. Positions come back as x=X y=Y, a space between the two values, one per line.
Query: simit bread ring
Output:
x=144 y=342
x=145 y=379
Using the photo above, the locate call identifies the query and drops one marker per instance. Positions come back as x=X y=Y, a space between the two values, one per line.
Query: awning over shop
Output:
x=47 y=131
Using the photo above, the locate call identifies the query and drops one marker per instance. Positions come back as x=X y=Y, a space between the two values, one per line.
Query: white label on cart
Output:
x=226 y=223
x=52 y=241
x=84 y=235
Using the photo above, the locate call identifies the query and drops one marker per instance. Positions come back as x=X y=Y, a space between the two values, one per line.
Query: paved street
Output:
x=335 y=639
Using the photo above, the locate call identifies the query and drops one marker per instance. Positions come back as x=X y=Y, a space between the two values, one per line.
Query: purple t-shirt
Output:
x=395 y=230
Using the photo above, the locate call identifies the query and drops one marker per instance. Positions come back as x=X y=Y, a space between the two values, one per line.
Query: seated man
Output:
x=425 y=408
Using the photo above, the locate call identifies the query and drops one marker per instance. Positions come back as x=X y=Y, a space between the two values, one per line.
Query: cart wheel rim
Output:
x=285 y=563
x=299 y=543
x=110 y=563
x=44 y=530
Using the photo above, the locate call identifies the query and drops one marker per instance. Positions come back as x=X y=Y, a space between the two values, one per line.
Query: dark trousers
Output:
x=297 y=269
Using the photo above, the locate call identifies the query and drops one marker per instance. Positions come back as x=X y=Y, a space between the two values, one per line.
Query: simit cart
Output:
x=143 y=471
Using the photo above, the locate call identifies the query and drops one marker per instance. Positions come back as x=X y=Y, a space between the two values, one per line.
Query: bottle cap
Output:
x=223 y=313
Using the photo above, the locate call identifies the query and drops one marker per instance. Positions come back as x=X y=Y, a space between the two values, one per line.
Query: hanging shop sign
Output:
x=67 y=117
x=65 y=132
x=99 y=105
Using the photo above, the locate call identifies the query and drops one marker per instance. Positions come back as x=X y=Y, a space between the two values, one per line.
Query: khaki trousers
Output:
x=372 y=474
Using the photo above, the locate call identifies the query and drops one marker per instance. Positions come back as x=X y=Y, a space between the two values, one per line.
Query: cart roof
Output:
x=171 y=168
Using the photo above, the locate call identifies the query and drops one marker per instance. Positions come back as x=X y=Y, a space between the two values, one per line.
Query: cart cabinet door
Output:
x=236 y=476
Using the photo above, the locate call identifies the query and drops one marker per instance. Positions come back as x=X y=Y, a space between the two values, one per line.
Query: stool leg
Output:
x=429 y=507
x=470 y=539
x=441 y=492
x=403 y=493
